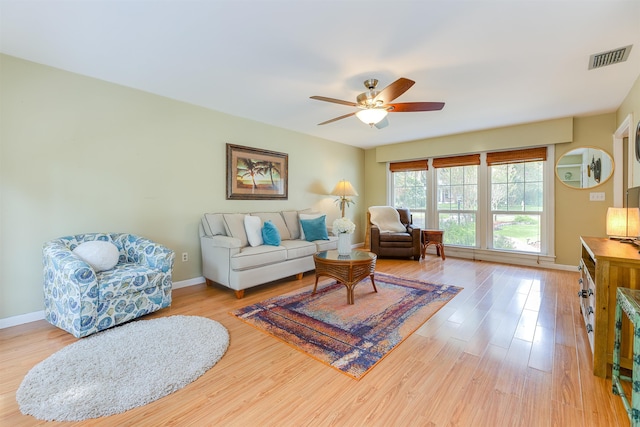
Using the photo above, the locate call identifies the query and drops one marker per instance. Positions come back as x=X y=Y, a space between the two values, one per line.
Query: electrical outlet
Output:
x=185 y=257
x=596 y=197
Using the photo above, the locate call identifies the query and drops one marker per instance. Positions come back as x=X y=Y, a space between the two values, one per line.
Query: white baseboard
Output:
x=39 y=315
x=21 y=319
x=188 y=282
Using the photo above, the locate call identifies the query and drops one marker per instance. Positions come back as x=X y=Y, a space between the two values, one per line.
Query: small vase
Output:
x=344 y=244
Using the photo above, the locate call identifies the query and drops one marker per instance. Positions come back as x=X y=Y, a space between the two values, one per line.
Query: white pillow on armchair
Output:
x=387 y=219
x=99 y=254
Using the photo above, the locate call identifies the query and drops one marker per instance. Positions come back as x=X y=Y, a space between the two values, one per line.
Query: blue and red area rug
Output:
x=349 y=338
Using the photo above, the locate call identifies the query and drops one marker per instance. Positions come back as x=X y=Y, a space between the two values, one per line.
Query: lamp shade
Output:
x=371 y=116
x=344 y=189
x=623 y=222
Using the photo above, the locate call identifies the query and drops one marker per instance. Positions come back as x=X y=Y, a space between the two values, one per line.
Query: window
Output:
x=409 y=181
x=498 y=201
x=517 y=195
x=457 y=198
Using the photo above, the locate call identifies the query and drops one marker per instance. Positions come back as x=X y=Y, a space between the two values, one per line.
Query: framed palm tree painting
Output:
x=253 y=173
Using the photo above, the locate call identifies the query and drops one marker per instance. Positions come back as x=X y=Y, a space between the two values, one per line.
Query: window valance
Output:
x=517 y=156
x=449 y=162
x=413 y=165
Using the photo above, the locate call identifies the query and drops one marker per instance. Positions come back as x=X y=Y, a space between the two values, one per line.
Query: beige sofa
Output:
x=228 y=258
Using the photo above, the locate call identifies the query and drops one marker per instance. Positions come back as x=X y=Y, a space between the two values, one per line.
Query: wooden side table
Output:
x=433 y=237
x=346 y=269
x=628 y=301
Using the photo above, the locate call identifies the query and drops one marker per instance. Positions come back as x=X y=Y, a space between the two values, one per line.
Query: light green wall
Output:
x=575 y=214
x=83 y=155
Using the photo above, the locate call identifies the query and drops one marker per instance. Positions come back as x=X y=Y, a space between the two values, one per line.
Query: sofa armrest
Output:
x=375 y=239
x=64 y=268
x=223 y=241
x=147 y=252
x=416 y=236
x=70 y=286
x=216 y=257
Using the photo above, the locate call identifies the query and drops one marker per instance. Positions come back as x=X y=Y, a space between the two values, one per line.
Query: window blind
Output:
x=449 y=162
x=517 y=156
x=413 y=165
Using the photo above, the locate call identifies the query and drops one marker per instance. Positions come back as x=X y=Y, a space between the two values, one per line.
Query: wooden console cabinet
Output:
x=606 y=265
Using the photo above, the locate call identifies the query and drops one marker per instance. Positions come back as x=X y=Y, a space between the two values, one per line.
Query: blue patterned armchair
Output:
x=82 y=301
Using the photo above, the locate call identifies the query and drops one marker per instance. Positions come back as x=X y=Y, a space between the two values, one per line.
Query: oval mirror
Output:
x=584 y=167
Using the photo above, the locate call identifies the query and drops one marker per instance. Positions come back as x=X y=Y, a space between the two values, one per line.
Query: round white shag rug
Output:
x=122 y=368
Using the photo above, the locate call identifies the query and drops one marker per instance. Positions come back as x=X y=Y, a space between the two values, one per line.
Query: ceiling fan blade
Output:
x=335 y=101
x=405 y=107
x=337 y=118
x=394 y=90
x=382 y=123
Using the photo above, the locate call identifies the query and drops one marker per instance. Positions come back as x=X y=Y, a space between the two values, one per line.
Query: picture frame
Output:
x=256 y=174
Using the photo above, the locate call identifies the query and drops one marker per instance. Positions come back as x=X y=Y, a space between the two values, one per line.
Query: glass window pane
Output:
x=459 y=229
x=457 y=195
x=410 y=191
x=533 y=197
x=533 y=171
x=516 y=232
x=499 y=194
x=516 y=196
x=499 y=174
x=470 y=197
x=516 y=172
x=517 y=188
x=419 y=218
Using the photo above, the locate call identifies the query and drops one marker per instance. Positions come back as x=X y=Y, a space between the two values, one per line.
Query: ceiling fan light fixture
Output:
x=371 y=116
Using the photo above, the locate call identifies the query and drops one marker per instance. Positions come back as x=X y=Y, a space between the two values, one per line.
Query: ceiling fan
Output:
x=374 y=105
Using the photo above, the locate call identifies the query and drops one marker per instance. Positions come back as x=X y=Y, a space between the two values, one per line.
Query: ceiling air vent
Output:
x=611 y=57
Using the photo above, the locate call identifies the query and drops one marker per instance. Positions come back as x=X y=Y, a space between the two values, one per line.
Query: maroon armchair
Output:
x=396 y=244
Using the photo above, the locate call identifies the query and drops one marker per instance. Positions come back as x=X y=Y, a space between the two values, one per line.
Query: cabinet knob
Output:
x=589 y=328
x=582 y=293
x=580 y=267
x=590 y=292
x=590 y=310
x=580 y=281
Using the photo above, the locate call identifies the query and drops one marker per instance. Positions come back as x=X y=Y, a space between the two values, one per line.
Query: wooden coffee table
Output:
x=346 y=269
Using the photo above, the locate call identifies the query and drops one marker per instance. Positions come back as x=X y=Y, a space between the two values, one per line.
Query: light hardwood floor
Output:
x=509 y=350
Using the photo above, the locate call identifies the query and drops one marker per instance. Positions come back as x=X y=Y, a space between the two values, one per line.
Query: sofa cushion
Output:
x=234 y=227
x=277 y=220
x=315 y=229
x=292 y=222
x=395 y=237
x=127 y=278
x=252 y=257
x=213 y=224
x=299 y=248
x=253 y=228
x=270 y=234
x=99 y=254
x=327 y=245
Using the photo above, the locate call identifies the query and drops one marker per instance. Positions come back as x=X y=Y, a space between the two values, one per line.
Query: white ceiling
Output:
x=494 y=63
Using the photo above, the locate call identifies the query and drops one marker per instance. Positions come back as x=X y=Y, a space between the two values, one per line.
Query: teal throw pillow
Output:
x=315 y=229
x=270 y=234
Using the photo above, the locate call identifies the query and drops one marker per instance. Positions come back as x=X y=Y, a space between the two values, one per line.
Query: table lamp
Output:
x=344 y=190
